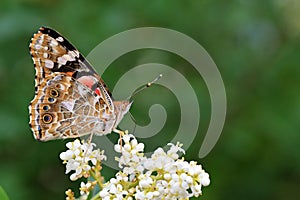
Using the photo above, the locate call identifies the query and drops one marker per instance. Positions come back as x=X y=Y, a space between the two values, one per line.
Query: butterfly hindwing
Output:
x=65 y=108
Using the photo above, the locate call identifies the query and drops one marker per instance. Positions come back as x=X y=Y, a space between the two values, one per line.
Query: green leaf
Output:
x=3 y=194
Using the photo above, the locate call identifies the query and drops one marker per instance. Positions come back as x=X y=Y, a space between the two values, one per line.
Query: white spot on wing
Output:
x=60 y=39
x=53 y=43
x=40 y=39
x=62 y=87
x=45 y=55
x=57 y=78
x=37 y=46
x=49 y=64
x=68 y=57
x=73 y=53
x=64 y=59
x=61 y=60
x=69 y=105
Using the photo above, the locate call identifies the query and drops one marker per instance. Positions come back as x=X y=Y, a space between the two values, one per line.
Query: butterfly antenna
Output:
x=144 y=86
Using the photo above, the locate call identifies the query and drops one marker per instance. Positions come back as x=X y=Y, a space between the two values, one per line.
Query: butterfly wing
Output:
x=70 y=97
x=51 y=52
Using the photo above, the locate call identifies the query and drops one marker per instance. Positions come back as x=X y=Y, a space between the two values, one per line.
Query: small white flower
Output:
x=67 y=155
x=104 y=193
x=84 y=188
x=78 y=157
x=172 y=152
x=204 y=179
x=145 y=180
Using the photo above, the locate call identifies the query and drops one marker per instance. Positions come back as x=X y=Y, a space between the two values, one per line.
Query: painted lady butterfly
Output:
x=71 y=99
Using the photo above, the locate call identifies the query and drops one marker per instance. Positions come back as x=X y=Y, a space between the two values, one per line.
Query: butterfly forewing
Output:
x=71 y=99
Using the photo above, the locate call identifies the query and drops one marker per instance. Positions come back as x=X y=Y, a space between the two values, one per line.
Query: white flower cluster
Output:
x=162 y=176
x=80 y=157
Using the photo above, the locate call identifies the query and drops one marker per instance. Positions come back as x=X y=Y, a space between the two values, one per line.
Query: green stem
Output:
x=97 y=178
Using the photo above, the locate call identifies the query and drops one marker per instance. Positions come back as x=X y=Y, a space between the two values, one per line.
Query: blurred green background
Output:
x=255 y=44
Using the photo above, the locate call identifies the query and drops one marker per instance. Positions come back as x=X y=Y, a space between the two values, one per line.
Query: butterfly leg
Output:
x=89 y=142
x=121 y=133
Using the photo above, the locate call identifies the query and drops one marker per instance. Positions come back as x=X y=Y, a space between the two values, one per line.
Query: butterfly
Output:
x=71 y=99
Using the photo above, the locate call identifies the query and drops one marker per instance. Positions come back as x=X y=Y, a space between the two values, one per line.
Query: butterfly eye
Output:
x=54 y=92
x=46 y=107
x=47 y=118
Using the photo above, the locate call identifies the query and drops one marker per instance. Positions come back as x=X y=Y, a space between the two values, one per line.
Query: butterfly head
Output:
x=121 y=108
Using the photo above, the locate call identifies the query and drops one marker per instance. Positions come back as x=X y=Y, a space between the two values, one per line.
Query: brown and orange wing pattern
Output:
x=71 y=99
